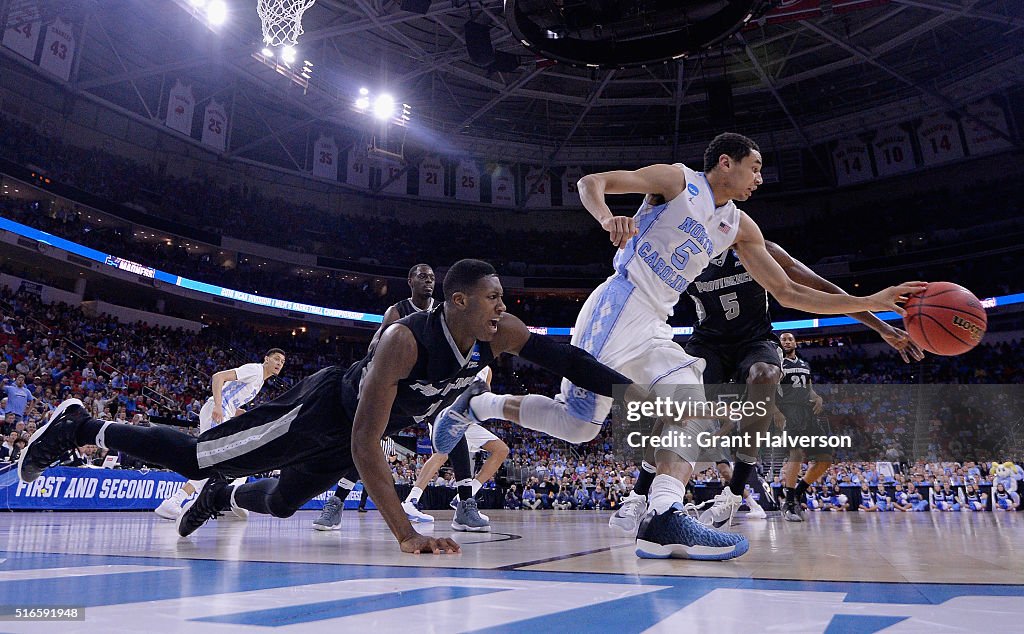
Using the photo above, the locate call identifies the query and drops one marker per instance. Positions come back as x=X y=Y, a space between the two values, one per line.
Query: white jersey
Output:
x=237 y=393
x=676 y=241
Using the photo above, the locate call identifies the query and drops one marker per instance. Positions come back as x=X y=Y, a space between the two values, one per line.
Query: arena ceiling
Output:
x=794 y=83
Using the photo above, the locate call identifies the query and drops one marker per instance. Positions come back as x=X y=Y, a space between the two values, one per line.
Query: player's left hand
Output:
x=902 y=343
x=893 y=297
x=422 y=544
x=817 y=400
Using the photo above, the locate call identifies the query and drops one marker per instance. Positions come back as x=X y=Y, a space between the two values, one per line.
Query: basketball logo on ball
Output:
x=947 y=319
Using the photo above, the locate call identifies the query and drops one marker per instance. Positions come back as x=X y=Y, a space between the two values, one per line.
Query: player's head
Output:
x=735 y=163
x=421 y=281
x=788 y=342
x=472 y=289
x=274 y=360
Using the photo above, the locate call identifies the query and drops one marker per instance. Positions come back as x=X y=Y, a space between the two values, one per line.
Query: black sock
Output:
x=790 y=494
x=644 y=480
x=342 y=492
x=801 y=488
x=87 y=432
x=254 y=496
x=740 y=474
x=223 y=499
x=465 y=489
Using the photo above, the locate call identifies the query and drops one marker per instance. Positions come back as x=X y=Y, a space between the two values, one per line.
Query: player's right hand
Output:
x=893 y=297
x=422 y=544
x=218 y=415
x=620 y=229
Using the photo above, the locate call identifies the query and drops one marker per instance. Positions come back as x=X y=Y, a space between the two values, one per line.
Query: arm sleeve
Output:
x=573 y=363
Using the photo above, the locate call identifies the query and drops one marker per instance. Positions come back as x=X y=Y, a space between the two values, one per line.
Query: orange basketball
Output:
x=947 y=319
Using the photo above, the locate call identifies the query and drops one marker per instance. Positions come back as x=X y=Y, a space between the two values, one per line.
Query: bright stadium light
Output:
x=266 y=52
x=217 y=12
x=288 y=54
x=364 y=91
x=384 y=107
x=197 y=3
x=363 y=103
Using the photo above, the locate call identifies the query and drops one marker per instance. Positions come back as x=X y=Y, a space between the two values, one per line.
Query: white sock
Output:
x=414 y=495
x=477 y=485
x=666 y=491
x=487 y=406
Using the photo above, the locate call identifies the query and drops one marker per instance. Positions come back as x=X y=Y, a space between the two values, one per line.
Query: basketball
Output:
x=947 y=319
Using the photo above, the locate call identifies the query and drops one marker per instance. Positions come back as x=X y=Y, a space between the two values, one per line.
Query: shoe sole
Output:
x=470 y=529
x=415 y=519
x=323 y=527
x=165 y=515
x=39 y=434
x=652 y=550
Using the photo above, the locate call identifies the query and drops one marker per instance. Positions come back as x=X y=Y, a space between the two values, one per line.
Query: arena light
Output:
x=363 y=103
x=288 y=54
x=199 y=4
x=217 y=12
x=266 y=52
x=384 y=107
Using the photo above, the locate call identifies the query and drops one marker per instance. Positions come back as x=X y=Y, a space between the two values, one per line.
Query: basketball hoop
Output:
x=282 y=20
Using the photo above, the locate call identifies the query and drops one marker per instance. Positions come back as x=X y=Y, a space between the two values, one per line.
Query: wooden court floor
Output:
x=535 y=571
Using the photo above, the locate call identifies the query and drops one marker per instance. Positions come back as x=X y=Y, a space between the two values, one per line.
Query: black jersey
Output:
x=441 y=372
x=795 y=388
x=731 y=306
x=406 y=307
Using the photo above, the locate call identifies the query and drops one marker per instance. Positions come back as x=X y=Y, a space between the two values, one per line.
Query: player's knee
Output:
x=497 y=448
x=764 y=373
x=279 y=508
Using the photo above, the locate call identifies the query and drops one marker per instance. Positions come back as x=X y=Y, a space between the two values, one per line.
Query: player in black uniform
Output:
x=800 y=406
x=334 y=419
x=421 y=288
x=734 y=336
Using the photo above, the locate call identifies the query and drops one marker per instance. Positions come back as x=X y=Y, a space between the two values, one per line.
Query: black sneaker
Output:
x=202 y=508
x=52 y=440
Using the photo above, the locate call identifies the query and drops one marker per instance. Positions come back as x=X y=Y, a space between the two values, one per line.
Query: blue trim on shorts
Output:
x=582 y=404
x=685 y=365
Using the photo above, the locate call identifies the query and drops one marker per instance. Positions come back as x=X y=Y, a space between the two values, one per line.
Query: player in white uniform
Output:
x=231 y=390
x=687 y=219
x=479 y=438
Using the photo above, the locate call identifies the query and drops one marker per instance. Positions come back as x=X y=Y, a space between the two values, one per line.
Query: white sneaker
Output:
x=722 y=511
x=627 y=517
x=414 y=514
x=170 y=508
x=756 y=512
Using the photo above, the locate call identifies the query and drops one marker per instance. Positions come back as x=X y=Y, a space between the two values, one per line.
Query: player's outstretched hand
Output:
x=901 y=341
x=422 y=544
x=893 y=297
x=620 y=229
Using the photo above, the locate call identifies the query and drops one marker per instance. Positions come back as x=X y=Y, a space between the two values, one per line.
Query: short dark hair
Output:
x=275 y=351
x=464 y=275
x=412 y=271
x=736 y=146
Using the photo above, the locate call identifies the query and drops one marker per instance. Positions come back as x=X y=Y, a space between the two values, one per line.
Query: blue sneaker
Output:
x=451 y=424
x=676 y=534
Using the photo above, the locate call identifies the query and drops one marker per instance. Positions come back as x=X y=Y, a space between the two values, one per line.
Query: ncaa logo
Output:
x=692 y=189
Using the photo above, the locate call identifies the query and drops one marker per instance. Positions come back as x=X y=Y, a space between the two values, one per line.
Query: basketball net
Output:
x=282 y=20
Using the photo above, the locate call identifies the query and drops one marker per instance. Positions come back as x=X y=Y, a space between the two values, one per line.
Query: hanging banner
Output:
x=939 y=136
x=981 y=138
x=180 y=108
x=394 y=178
x=467 y=182
x=431 y=177
x=893 y=152
x=215 y=126
x=58 y=50
x=852 y=162
x=325 y=158
x=503 y=191
x=21 y=32
x=358 y=169
x=570 y=195
x=537 y=187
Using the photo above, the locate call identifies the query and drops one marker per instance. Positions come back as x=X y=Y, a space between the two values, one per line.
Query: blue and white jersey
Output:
x=237 y=393
x=676 y=241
